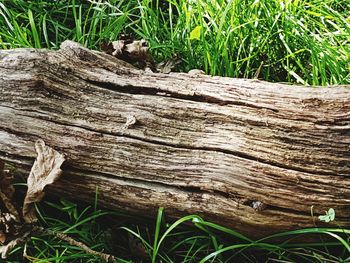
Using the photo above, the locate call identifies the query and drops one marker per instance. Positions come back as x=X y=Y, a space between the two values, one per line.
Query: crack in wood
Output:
x=168 y=144
x=183 y=146
x=130 y=89
x=26 y=162
x=190 y=190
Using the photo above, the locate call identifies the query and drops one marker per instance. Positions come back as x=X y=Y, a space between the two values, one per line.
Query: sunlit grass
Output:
x=285 y=41
x=48 y=23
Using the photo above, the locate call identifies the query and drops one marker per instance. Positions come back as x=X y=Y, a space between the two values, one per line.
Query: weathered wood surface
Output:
x=192 y=144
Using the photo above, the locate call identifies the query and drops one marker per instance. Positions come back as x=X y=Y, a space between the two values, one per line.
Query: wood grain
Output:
x=192 y=144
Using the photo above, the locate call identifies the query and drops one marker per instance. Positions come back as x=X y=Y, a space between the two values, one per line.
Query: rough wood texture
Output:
x=192 y=144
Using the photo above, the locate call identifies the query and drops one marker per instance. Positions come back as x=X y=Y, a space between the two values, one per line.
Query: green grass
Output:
x=48 y=23
x=298 y=41
x=189 y=239
x=286 y=41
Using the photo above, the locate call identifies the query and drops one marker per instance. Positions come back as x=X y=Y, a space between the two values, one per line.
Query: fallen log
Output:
x=255 y=156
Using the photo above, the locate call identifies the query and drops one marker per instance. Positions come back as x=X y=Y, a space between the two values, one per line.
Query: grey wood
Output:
x=248 y=154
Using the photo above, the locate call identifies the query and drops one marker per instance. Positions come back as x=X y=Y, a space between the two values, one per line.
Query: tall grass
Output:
x=47 y=24
x=304 y=41
x=285 y=41
x=188 y=239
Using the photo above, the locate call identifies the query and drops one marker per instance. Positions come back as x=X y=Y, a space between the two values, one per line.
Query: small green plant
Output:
x=329 y=216
x=196 y=33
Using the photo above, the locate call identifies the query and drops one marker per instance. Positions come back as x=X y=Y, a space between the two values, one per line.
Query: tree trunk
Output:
x=255 y=156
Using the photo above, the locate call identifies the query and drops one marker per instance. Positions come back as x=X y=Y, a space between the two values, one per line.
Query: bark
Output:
x=247 y=154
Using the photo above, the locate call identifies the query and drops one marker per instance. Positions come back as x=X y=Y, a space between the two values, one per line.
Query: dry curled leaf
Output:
x=169 y=65
x=7 y=190
x=6 y=181
x=130 y=50
x=133 y=52
x=5 y=249
x=46 y=170
x=9 y=226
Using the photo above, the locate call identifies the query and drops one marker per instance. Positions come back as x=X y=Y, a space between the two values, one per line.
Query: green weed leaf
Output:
x=196 y=33
x=329 y=216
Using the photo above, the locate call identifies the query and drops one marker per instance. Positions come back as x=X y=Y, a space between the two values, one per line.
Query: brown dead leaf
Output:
x=131 y=51
x=118 y=48
x=7 y=190
x=2 y=237
x=6 y=181
x=107 y=48
x=46 y=170
x=5 y=249
x=9 y=227
x=169 y=65
x=135 y=52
